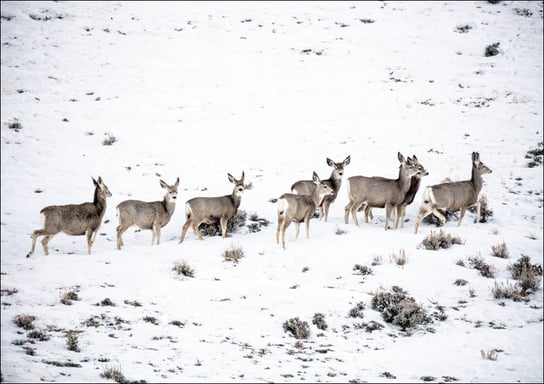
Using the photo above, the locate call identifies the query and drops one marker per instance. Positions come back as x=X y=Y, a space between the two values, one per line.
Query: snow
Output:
x=197 y=90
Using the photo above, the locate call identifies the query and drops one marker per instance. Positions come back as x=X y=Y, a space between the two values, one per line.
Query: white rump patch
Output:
x=282 y=205
x=188 y=210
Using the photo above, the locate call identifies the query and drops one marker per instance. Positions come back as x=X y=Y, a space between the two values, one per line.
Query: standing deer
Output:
x=306 y=187
x=408 y=198
x=209 y=210
x=298 y=208
x=454 y=196
x=147 y=215
x=73 y=219
x=379 y=192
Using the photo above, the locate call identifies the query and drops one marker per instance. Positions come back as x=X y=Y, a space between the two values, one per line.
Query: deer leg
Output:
x=397 y=208
x=197 y=232
x=120 y=230
x=388 y=208
x=354 y=207
x=461 y=215
x=45 y=240
x=224 y=222
x=347 y=211
x=401 y=212
x=35 y=235
x=89 y=236
x=284 y=226
x=184 y=230
x=156 y=233
x=298 y=229
x=423 y=213
x=326 y=205
x=478 y=212
x=307 y=221
x=278 y=230
x=439 y=215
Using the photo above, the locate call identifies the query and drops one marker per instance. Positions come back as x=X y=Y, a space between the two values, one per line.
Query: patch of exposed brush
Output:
x=500 y=250
x=72 y=342
x=528 y=275
x=478 y=263
x=398 y=308
x=492 y=49
x=319 y=321
x=370 y=326
x=233 y=224
x=66 y=297
x=435 y=241
x=256 y=223
x=357 y=311
x=297 y=328
x=362 y=270
x=535 y=155
x=434 y=220
x=399 y=258
x=25 y=321
x=182 y=268
x=234 y=253
x=114 y=373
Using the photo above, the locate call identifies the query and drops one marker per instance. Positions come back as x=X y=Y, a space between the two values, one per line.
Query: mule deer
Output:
x=454 y=196
x=209 y=210
x=306 y=187
x=298 y=208
x=73 y=219
x=147 y=215
x=379 y=192
x=408 y=198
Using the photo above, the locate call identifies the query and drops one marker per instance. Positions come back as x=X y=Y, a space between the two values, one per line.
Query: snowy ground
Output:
x=199 y=90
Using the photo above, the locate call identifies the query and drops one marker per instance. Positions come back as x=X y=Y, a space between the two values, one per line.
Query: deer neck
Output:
x=336 y=180
x=404 y=181
x=99 y=200
x=168 y=205
x=236 y=199
x=476 y=179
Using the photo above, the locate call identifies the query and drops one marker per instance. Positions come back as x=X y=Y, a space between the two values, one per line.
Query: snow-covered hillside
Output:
x=197 y=90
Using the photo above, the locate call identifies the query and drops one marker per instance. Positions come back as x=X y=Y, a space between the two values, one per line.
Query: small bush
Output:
x=528 y=275
x=492 y=49
x=432 y=219
x=183 y=268
x=68 y=296
x=460 y=282
x=485 y=212
x=489 y=355
x=535 y=156
x=376 y=260
x=151 y=319
x=25 y=321
x=500 y=250
x=357 y=311
x=38 y=335
x=15 y=124
x=398 y=308
x=399 y=259
x=107 y=302
x=133 y=303
x=363 y=270
x=372 y=326
x=444 y=240
x=340 y=231
x=109 y=139
x=234 y=253
x=319 y=321
x=299 y=329
x=72 y=342
x=477 y=262
x=256 y=222
x=177 y=323
x=114 y=373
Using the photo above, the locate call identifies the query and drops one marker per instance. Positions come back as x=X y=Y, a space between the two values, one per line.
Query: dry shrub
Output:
x=477 y=262
x=235 y=222
x=72 y=342
x=398 y=308
x=362 y=270
x=299 y=329
x=25 y=321
x=357 y=311
x=400 y=258
x=528 y=275
x=500 y=250
x=67 y=297
x=435 y=241
x=234 y=253
x=319 y=321
x=183 y=268
x=114 y=373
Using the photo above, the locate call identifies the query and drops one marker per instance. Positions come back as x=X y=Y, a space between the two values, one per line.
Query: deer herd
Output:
x=298 y=206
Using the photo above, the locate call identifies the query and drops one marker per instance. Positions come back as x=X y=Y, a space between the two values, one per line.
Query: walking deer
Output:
x=298 y=208
x=454 y=196
x=379 y=192
x=408 y=198
x=73 y=219
x=147 y=215
x=209 y=210
x=306 y=187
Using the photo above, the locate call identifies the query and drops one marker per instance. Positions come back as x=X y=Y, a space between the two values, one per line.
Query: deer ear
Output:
x=243 y=176
x=414 y=158
x=400 y=157
x=94 y=181
x=347 y=160
x=315 y=178
x=475 y=157
x=231 y=178
x=177 y=183
x=330 y=163
x=163 y=184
